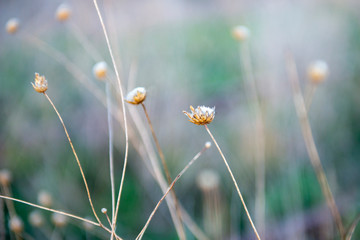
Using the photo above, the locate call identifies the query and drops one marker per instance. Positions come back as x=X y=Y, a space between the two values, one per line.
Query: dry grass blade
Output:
x=352 y=227
x=310 y=144
x=236 y=185
x=167 y=192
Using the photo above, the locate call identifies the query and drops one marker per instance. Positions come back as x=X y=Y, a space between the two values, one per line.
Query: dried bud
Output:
x=5 y=177
x=208 y=180
x=104 y=210
x=318 y=71
x=36 y=219
x=45 y=199
x=208 y=145
x=16 y=225
x=136 y=96
x=59 y=220
x=201 y=115
x=41 y=84
x=241 y=33
x=100 y=70
x=63 y=12
x=12 y=25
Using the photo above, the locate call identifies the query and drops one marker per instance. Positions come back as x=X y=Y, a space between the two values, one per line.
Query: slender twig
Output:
x=111 y=151
x=140 y=235
x=259 y=135
x=309 y=94
x=9 y=204
x=233 y=179
x=76 y=157
x=166 y=169
x=310 y=144
x=122 y=105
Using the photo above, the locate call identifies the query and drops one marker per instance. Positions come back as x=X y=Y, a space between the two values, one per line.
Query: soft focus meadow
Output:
x=183 y=53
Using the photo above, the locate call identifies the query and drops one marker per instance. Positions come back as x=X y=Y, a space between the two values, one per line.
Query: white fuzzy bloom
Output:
x=318 y=71
x=208 y=145
x=136 y=96
x=100 y=70
x=63 y=12
x=208 y=180
x=241 y=33
x=59 y=220
x=16 y=224
x=5 y=177
x=36 y=218
x=45 y=198
x=12 y=25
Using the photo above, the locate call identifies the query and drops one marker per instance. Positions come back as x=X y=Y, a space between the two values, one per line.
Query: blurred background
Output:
x=183 y=53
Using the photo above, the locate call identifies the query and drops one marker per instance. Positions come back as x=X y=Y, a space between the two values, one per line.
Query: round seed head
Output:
x=16 y=225
x=5 y=177
x=208 y=180
x=63 y=12
x=100 y=70
x=318 y=71
x=59 y=220
x=45 y=199
x=104 y=210
x=208 y=145
x=201 y=115
x=41 y=84
x=136 y=96
x=36 y=219
x=12 y=25
x=241 y=33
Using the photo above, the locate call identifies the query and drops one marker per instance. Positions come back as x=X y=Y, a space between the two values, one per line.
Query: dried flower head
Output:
x=63 y=12
x=59 y=220
x=241 y=33
x=36 y=219
x=104 y=210
x=100 y=70
x=41 y=84
x=12 y=25
x=16 y=224
x=5 y=177
x=208 y=145
x=318 y=71
x=201 y=115
x=136 y=96
x=208 y=180
x=45 y=199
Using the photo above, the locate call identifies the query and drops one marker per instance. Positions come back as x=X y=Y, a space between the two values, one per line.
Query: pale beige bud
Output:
x=100 y=70
x=208 y=180
x=16 y=225
x=12 y=25
x=241 y=33
x=63 y=12
x=5 y=177
x=318 y=71
x=40 y=85
x=59 y=220
x=45 y=199
x=36 y=219
x=208 y=145
x=136 y=96
x=104 y=210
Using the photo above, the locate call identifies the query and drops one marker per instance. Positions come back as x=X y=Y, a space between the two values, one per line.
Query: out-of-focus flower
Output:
x=12 y=25
x=136 y=96
x=100 y=70
x=45 y=199
x=16 y=224
x=5 y=177
x=36 y=219
x=241 y=33
x=63 y=12
x=318 y=71
x=59 y=220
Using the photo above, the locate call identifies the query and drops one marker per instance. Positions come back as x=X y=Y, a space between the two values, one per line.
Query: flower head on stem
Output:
x=136 y=96
x=201 y=115
x=40 y=85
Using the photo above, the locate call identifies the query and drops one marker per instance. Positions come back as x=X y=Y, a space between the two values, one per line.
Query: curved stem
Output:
x=76 y=157
x=233 y=179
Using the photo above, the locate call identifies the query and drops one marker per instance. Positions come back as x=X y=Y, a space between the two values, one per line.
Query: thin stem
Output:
x=140 y=235
x=309 y=94
x=9 y=204
x=122 y=105
x=76 y=157
x=310 y=144
x=233 y=179
x=111 y=151
x=166 y=169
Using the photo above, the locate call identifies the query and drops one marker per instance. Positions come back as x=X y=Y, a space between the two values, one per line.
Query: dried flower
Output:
x=136 y=96
x=208 y=145
x=63 y=12
x=16 y=224
x=45 y=199
x=100 y=70
x=318 y=71
x=36 y=219
x=208 y=180
x=41 y=84
x=5 y=177
x=59 y=220
x=201 y=115
x=104 y=210
x=241 y=33
x=12 y=25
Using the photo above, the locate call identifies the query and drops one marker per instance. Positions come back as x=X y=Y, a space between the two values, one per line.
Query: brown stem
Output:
x=166 y=169
x=76 y=157
x=233 y=179
x=310 y=145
